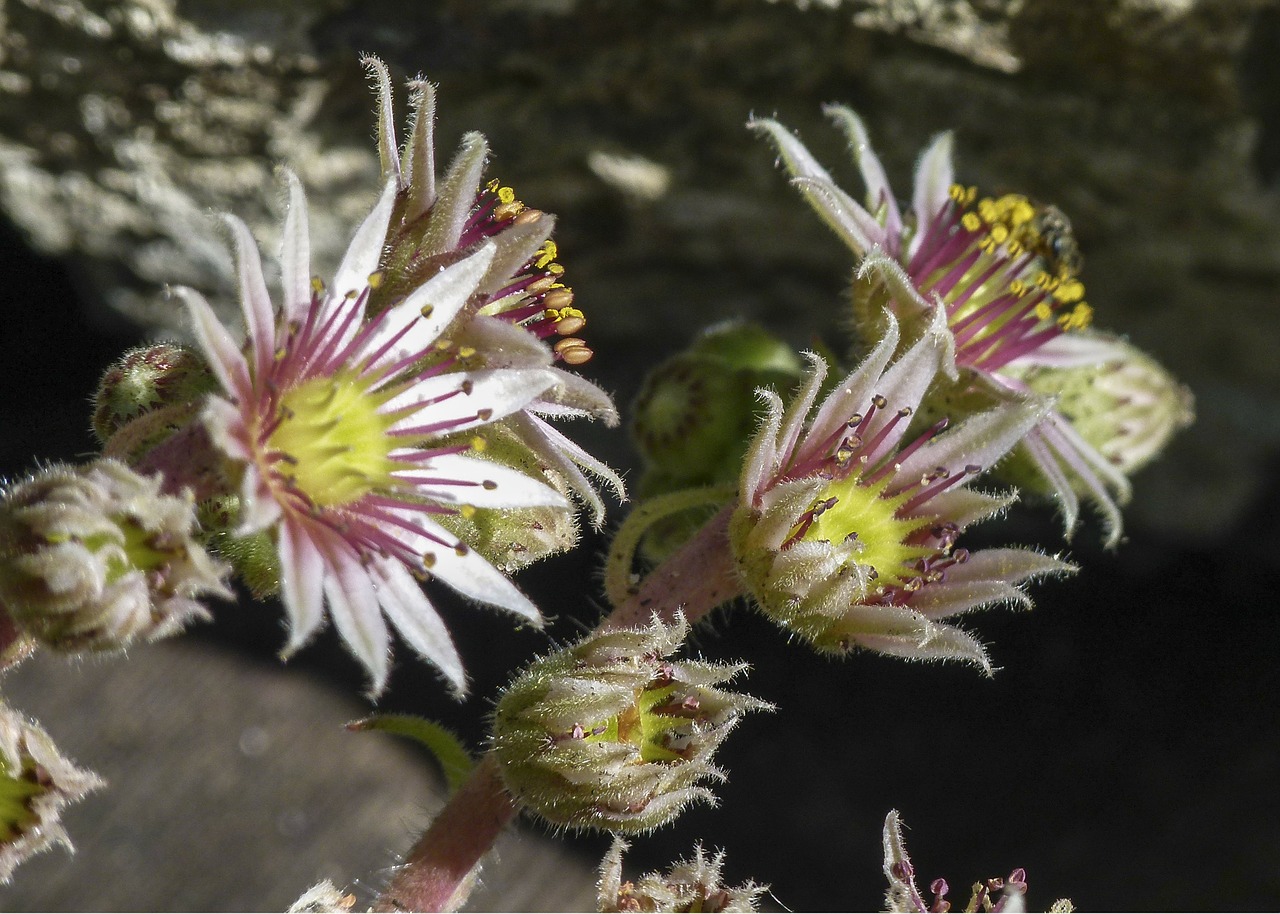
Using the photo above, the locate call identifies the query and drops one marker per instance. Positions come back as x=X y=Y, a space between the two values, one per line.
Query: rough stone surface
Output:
x=233 y=786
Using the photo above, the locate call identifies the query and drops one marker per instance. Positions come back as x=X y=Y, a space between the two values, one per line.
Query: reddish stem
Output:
x=437 y=874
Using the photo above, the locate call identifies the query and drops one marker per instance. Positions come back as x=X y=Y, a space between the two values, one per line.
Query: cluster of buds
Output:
x=93 y=558
x=694 y=884
x=612 y=734
x=36 y=781
x=996 y=894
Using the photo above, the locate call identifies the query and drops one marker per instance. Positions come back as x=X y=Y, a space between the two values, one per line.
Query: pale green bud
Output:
x=95 y=557
x=1127 y=407
x=610 y=734
x=694 y=884
x=36 y=781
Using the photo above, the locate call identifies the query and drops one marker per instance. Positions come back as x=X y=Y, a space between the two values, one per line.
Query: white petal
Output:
x=517 y=245
x=964 y=506
x=301 y=584
x=485 y=484
x=564 y=456
x=417 y=621
x=353 y=603
x=420 y=154
x=944 y=642
x=295 y=254
x=504 y=344
x=793 y=153
x=1012 y=565
x=879 y=193
x=430 y=308
x=224 y=357
x=388 y=154
x=798 y=410
x=493 y=394
x=980 y=440
x=255 y=300
x=457 y=194
x=854 y=394
x=365 y=251
x=847 y=218
x=1074 y=350
x=939 y=601
x=934 y=177
x=761 y=464
x=1034 y=446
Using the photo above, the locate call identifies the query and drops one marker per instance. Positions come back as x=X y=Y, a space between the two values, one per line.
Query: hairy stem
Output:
x=438 y=873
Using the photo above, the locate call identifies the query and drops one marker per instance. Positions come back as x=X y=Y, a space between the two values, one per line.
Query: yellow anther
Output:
x=506 y=211
x=427 y=310
x=971 y=222
x=492 y=186
x=466 y=352
x=555 y=269
x=546 y=254
x=987 y=210
x=956 y=193
x=988 y=245
x=1018 y=288
x=478 y=443
x=970 y=193
x=1043 y=311
x=558 y=298
x=1014 y=247
x=1071 y=290
x=1022 y=211
x=429 y=560
x=506 y=195
x=999 y=233
x=467 y=511
x=317 y=285
x=375 y=279
x=1079 y=318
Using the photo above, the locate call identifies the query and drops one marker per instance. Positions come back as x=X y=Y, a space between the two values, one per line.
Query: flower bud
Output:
x=149 y=393
x=95 y=557
x=1127 y=407
x=610 y=734
x=691 y=885
x=35 y=783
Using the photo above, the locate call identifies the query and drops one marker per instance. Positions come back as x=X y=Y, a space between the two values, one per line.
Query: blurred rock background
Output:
x=1127 y=749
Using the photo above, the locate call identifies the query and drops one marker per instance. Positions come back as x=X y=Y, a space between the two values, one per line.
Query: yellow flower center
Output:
x=335 y=439
x=849 y=509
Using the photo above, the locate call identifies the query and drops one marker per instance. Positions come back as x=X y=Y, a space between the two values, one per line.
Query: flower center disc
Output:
x=865 y=513
x=334 y=440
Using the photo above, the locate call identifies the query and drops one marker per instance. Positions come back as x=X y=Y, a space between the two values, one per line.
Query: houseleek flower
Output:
x=612 y=734
x=353 y=435
x=96 y=557
x=694 y=884
x=846 y=530
x=521 y=312
x=1004 y=272
x=36 y=782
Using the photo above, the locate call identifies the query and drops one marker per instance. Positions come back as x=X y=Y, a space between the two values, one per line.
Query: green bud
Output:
x=146 y=396
x=95 y=557
x=1127 y=407
x=36 y=781
x=610 y=734
x=696 y=413
x=253 y=558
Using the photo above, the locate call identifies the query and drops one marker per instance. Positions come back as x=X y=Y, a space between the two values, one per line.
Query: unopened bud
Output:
x=694 y=884
x=610 y=734
x=149 y=393
x=36 y=781
x=95 y=557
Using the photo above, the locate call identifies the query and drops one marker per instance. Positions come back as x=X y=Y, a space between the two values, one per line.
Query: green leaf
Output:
x=444 y=744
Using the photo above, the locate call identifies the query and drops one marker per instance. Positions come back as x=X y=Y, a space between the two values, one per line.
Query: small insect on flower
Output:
x=353 y=435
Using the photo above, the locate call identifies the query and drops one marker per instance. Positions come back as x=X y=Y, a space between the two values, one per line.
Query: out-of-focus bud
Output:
x=36 y=781
x=691 y=885
x=695 y=415
x=147 y=395
x=1127 y=407
x=95 y=557
x=610 y=734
